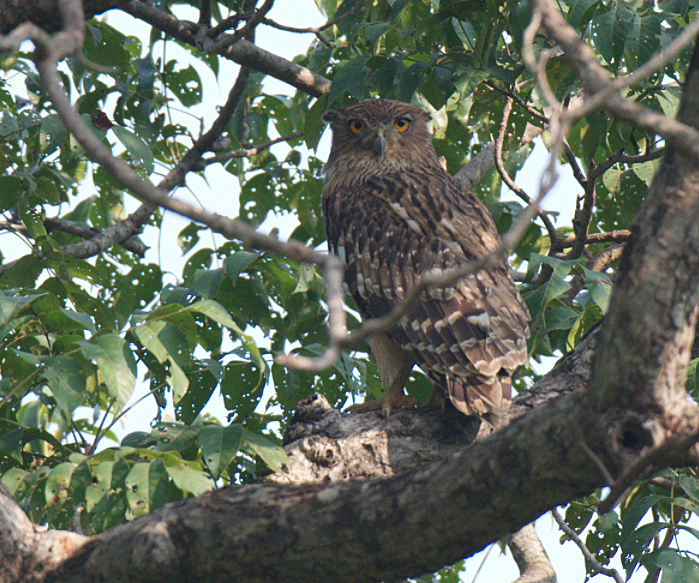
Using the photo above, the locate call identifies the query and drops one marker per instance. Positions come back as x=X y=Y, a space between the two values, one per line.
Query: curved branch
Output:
x=242 y=52
x=531 y=558
x=553 y=236
x=595 y=80
x=589 y=557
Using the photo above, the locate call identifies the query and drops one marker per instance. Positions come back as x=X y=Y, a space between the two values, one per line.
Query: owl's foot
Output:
x=385 y=403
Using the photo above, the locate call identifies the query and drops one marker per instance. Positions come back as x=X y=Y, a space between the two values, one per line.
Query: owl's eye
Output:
x=356 y=126
x=402 y=124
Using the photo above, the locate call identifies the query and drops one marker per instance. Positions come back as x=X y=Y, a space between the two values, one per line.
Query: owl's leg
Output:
x=438 y=397
x=394 y=397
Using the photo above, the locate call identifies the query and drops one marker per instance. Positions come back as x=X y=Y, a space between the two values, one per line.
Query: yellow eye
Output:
x=356 y=125
x=402 y=124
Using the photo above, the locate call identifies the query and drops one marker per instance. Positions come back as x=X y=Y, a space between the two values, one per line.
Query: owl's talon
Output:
x=386 y=403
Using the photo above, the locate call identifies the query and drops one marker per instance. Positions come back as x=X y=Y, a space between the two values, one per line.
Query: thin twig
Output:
x=220 y=158
x=316 y=30
x=611 y=237
x=597 y=461
x=518 y=100
x=245 y=30
x=499 y=140
x=589 y=557
x=596 y=82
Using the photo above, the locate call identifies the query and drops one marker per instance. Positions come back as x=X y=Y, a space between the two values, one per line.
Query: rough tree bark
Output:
x=45 y=13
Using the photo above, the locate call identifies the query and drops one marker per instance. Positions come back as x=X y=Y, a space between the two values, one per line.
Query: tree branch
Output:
x=589 y=557
x=242 y=52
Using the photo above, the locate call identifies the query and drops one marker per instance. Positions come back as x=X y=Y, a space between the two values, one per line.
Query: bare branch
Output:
x=589 y=557
x=595 y=80
x=583 y=216
x=220 y=158
x=248 y=28
x=243 y=52
x=502 y=129
x=613 y=236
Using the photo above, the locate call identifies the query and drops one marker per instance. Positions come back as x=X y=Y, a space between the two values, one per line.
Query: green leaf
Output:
x=116 y=363
x=11 y=443
x=58 y=482
x=644 y=40
x=272 y=454
x=19 y=482
x=636 y=545
x=553 y=288
x=146 y=487
x=578 y=516
x=100 y=486
x=189 y=479
x=219 y=445
x=600 y=288
x=189 y=237
x=138 y=150
x=11 y=190
x=669 y=100
x=676 y=567
x=104 y=45
x=633 y=515
x=560 y=318
x=410 y=80
x=66 y=379
x=579 y=11
x=174 y=436
x=10 y=306
x=239 y=262
x=212 y=309
x=168 y=345
x=611 y=31
x=185 y=83
x=468 y=80
x=350 y=78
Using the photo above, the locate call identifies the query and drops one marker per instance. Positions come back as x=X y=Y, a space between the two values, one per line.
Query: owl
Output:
x=391 y=214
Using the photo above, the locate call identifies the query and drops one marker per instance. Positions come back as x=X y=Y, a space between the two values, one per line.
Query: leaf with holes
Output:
x=219 y=445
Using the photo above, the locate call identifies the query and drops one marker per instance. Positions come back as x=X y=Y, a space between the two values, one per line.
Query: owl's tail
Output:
x=486 y=397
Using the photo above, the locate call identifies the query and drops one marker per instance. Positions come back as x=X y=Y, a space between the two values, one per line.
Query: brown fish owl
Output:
x=391 y=214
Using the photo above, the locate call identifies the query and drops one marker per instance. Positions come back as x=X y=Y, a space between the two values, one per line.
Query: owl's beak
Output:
x=379 y=145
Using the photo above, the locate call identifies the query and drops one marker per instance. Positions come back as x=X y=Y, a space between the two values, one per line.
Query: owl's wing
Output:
x=390 y=230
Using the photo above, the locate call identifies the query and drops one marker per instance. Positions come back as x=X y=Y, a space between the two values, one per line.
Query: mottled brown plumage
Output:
x=392 y=213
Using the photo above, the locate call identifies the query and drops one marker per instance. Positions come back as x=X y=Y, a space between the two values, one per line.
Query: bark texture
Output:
x=45 y=13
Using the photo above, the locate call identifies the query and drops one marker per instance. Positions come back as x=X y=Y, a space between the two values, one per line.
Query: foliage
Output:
x=78 y=331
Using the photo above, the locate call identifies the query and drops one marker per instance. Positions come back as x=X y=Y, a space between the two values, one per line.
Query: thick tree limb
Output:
x=45 y=13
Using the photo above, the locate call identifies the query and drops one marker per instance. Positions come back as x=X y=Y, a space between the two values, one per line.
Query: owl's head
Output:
x=379 y=135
